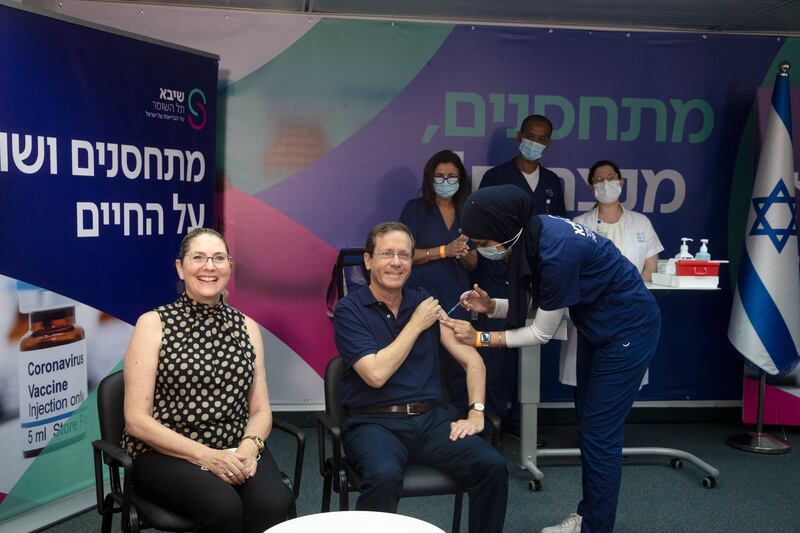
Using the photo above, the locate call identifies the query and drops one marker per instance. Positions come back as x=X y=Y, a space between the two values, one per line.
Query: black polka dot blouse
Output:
x=205 y=370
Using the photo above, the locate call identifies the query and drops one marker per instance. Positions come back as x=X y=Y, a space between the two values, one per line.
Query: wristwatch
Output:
x=486 y=338
x=256 y=440
x=478 y=406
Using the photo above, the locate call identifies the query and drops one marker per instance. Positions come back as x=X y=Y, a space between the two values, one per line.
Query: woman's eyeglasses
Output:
x=602 y=179
x=439 y=179
x=219 y=260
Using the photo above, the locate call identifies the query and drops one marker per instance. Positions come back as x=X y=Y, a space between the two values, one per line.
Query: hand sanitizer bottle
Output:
x=703 y=254
x=684 y=253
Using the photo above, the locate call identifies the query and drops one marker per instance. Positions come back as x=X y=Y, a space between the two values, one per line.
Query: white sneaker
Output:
x=571 y=524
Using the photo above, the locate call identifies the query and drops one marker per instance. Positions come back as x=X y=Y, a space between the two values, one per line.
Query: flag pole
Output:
x=758 y=441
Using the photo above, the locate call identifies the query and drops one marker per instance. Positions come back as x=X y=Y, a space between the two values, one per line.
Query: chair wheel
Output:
x=676 y=463
x=534 y=485
x=709 y=482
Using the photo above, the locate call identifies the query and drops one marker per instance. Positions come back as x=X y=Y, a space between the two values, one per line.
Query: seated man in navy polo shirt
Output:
x=388 y=337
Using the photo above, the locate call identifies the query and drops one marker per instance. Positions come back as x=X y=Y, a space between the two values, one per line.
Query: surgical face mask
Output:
x=493 y=254
x=607 y=192
x=530 y=150
x=445 y=190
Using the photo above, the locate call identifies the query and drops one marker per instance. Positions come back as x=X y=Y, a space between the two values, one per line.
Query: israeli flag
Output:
x=765 y=318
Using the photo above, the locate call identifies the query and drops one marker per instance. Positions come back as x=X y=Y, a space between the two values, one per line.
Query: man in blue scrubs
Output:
x=389 y=336
x=547 y=197
x=555 y=263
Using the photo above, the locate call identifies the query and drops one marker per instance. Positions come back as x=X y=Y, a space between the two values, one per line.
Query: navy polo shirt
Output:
x=548 y=198
x=362 y=326
x=584 y=271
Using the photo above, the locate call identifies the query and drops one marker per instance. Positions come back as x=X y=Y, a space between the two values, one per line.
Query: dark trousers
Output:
x=608 y=379
x=213 y=504
x=380 y=447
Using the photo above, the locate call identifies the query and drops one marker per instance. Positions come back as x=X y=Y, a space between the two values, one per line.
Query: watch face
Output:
x=478 y=406
x=485 y=338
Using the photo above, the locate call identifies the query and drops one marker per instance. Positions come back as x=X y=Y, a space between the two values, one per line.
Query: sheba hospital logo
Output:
x=172 y=105
x=197 y=119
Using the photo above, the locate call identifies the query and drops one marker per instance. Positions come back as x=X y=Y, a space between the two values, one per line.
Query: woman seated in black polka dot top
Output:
x=196 y=404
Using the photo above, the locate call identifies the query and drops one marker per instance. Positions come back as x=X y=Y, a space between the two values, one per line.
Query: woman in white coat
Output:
x=631 y=232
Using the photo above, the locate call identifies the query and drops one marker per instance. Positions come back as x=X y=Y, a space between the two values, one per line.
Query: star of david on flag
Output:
x=765 y=316
x=762 y=226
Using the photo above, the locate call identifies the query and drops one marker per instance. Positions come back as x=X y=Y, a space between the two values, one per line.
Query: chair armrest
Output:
x=113 y=454
x=326 y=425
x=300 y=438
x=330 y=426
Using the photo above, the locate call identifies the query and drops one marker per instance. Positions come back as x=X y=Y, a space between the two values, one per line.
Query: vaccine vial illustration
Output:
x=52 y=370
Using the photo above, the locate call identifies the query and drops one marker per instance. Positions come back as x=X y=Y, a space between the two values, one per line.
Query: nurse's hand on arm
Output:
x=461 y=330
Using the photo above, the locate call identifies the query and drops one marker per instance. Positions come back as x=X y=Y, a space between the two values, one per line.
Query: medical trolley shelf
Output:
x=529 y=375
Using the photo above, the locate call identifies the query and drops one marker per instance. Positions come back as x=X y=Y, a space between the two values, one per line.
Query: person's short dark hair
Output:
x=196 y=232
x=537 y=118
x=384 y=228
x=464 y=183
x=602 y=163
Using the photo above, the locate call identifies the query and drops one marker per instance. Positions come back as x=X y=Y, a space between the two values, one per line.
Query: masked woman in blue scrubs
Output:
x=442 y=258
x=556 y=264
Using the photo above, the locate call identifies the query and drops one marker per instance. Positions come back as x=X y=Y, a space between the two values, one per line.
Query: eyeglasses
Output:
x=439 y=179
x=601 y=179
x=388 y=255
x=219 y=260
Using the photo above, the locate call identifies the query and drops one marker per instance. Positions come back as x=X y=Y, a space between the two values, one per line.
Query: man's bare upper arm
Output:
x=461 y=352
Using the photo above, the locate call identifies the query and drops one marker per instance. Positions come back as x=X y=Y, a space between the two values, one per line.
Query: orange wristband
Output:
x=478 y=339
x=442 y=253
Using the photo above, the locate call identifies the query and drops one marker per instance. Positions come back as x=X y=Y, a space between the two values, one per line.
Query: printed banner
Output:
x=107 y=156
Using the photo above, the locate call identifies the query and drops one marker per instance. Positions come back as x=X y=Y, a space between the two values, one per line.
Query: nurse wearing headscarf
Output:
x=556 y=264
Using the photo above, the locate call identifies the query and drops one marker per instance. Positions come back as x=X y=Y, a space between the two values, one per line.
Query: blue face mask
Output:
x=530 y=150
x=445 y=190
x=493 y=254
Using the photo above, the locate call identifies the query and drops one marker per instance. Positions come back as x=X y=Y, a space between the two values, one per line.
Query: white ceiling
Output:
x=774 y=17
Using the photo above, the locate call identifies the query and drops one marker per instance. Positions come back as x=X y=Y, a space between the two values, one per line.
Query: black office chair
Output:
x=338 y=474
x=137 y=511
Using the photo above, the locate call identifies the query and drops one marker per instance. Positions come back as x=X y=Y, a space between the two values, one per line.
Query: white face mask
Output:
x=607 y=192
x=493 y=254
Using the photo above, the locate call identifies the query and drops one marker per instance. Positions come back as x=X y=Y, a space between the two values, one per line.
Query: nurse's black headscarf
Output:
x=497 y=214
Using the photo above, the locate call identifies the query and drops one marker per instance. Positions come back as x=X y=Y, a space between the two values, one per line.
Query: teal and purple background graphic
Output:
x=331 y=136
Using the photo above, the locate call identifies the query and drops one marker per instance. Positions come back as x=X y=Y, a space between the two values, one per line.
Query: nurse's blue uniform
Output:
x=618 y=323
x=444 y=279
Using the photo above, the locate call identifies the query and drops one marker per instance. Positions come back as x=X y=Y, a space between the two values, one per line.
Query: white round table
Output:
x=353 y=521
